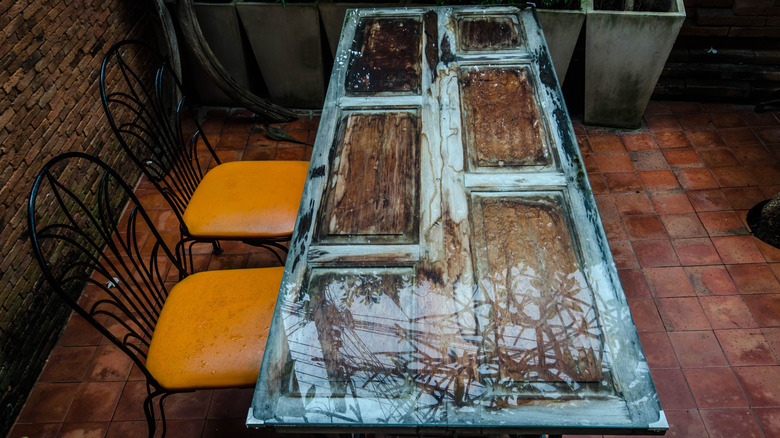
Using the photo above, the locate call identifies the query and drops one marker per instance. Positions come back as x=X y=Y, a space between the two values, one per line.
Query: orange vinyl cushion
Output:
x=247 y=199
x=212 y=329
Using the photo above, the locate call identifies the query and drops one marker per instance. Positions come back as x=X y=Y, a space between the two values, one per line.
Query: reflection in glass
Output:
x=535 y=303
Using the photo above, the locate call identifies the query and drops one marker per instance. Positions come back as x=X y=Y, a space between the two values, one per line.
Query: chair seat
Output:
x=247 y=199
x=212 y=329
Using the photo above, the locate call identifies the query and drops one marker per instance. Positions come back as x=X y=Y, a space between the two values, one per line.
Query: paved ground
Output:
x=672 y=195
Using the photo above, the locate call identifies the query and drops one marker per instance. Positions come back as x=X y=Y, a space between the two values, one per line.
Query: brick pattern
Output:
x=50 y=55
x=727 y=50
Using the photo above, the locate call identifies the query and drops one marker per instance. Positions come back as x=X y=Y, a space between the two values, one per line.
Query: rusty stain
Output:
x=539 y=291
x=373 y=189
x=446 y=52
x=430 y=273
x=488 y=33
x=318 y=172
x=431 y=24
x=502 y=118
x=386 y=56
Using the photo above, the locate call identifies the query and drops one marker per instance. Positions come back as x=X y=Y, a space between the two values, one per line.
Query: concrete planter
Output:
x=561 y=30
x=287 y=44
x=625 y=53
x=220 y=25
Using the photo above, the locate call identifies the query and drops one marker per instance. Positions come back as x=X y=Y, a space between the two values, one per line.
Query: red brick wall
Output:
x=726 y=50
x=50 y=55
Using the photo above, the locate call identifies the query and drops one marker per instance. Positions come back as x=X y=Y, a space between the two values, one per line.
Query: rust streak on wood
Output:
x=488 y=33
x=374 y=188
x=503 y=123
x=386 y=56
x=542 y=318
x=431 y=23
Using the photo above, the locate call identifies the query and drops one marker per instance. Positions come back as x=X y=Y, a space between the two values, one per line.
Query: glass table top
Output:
x=449 y=271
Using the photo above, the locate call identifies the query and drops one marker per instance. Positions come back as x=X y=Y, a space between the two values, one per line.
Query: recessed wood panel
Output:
x=386 y=56
x=488 y=33
x=539 y=317
x=353 y=325
x=502 y=119
x=373 y=183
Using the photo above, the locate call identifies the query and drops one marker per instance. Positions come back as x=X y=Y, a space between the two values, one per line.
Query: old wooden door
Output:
x=449 y=270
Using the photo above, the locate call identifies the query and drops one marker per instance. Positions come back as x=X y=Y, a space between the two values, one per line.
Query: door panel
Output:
x=449 y=272
x=373 y=187
x=501 y=116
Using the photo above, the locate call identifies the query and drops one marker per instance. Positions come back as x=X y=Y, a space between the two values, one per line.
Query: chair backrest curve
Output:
x=154 y=122
x=88 y=229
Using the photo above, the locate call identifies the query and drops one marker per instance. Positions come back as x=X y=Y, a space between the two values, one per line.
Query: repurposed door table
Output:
x=449 y=271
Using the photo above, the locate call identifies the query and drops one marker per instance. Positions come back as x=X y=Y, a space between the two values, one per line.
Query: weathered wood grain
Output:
x=386 y=56
x=364 y=255
x=541 y=321
x=488 y=33
x=502 y=119
x=373 y=189
x=430 y=22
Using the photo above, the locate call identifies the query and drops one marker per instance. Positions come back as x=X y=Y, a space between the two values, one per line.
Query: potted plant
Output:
x=285 y=38
x=627 y=43
x=561 y=22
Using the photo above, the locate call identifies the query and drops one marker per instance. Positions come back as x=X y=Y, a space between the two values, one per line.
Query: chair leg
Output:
x=151 y=422
x=181 y=255
x=184 y=254
x=162 y=414
x=217 y=248
x=149 y=414
x=273 y=247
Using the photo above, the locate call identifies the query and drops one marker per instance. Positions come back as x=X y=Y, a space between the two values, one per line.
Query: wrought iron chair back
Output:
x=74 y=214
x=154 y=122
x=160 y=132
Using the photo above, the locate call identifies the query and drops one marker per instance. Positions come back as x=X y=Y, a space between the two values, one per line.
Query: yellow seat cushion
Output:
x=247 y=199
x=212 y=329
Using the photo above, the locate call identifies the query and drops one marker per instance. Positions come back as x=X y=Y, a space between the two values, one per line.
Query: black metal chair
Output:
x=255 y=202
x=184 y=332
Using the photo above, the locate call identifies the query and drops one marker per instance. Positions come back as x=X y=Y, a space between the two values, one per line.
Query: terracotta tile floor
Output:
x=673 y=195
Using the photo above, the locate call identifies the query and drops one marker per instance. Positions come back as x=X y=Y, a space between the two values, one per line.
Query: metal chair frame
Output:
x=154 y=138
x=78 y=240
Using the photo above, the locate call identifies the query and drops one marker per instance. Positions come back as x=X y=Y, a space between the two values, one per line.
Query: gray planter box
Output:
x=220 y=25
x=561 y=29
x=287 y=44
x=624 y=55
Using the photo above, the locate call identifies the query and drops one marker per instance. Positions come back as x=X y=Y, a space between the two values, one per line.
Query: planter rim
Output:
x=680 y=12
x=560 y=11
x=274 y=3
x=358 y=2
x=584 y=5
x=213 y=3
